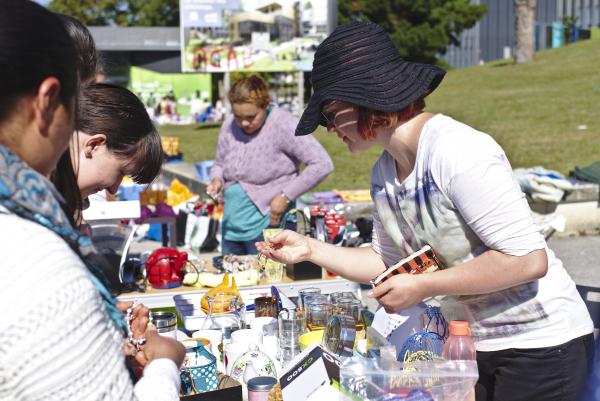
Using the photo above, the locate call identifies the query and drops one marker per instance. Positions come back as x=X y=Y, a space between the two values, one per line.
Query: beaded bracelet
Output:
x=136 y=342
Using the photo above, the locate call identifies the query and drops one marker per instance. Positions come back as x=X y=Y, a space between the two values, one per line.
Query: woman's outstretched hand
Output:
x=287 y=247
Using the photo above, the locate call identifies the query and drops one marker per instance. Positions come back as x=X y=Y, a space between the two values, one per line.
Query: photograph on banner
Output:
x=251 y=35
x=173 y=98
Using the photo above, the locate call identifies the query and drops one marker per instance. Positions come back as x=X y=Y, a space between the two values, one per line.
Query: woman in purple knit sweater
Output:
x=257 y=165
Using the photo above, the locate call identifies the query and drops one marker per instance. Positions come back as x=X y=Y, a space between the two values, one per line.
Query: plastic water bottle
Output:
x=459 y=345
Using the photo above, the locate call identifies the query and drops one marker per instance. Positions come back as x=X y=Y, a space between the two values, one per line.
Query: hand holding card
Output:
x=422 y=261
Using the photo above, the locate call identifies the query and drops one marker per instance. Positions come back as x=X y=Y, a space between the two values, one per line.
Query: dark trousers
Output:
x=239 y=247
x=538 y=374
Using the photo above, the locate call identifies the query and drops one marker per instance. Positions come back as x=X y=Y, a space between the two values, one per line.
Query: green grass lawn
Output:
x=532 y=110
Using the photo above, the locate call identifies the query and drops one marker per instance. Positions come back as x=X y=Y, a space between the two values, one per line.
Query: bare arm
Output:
x=356 y=264
x=489 y=272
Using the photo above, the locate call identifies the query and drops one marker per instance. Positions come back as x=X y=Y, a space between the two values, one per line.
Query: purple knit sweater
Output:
x=268 y=163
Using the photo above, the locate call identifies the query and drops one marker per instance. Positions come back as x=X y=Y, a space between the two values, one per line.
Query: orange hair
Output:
x=251 y=90
x=369 y=120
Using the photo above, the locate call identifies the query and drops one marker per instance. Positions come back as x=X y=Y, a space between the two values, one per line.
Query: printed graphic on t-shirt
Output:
x=417 y=213
x=461 y=199
x=503 y=313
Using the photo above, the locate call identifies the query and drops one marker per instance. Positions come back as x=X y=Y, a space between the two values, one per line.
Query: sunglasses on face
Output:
x=328 y=118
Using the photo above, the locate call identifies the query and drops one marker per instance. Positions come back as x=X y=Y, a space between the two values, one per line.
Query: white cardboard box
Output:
x=311 y=376
x=112 y=210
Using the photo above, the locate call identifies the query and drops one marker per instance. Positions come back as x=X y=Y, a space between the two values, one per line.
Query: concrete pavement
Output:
x=580 y=256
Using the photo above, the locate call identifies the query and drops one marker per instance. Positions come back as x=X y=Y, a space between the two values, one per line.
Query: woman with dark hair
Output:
x=62 y=335
x=114 y=137
x=88 y=59
x=88 y=67
x=442 y=183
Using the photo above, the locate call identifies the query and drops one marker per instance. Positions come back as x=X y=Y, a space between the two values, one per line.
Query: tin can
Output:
x=166 y=323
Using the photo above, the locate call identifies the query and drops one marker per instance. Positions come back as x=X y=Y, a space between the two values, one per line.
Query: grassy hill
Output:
x=533 y=111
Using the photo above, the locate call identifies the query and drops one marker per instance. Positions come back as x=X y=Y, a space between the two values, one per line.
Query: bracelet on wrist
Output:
x=284 y=196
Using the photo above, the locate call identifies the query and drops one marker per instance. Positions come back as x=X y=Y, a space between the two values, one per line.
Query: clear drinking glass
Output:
x=291 y=325
x=273 y=271
x=353 y=308
x=334 y=296
x=318 y=313
x=306 y=292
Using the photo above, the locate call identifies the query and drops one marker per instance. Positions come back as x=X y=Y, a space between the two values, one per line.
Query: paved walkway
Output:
x=580 y=256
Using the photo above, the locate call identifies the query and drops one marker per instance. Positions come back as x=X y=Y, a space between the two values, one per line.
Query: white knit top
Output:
x=56 y=340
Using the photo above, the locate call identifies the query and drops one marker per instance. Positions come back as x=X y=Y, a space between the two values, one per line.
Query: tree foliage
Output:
x=120 y=12
x=421 y=29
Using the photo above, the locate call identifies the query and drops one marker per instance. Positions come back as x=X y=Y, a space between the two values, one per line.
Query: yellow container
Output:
x=309 y=338
x=170 y=145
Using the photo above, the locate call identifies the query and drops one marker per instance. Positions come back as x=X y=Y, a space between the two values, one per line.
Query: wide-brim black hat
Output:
x=359 y=64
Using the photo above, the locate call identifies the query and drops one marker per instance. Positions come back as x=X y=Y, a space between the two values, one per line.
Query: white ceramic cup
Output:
x=215 y=337
x=247 y=336
x=232 y=352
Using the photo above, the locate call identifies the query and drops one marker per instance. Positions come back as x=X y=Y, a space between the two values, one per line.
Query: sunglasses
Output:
x=329 y=118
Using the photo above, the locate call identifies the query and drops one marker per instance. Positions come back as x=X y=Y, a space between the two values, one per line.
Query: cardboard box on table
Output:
x=313 y=375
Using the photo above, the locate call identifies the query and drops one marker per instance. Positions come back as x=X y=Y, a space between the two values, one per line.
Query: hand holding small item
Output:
x=215 y=188
x=400 y=292
x=287 y=247
x=138 y=316
x=158 y=347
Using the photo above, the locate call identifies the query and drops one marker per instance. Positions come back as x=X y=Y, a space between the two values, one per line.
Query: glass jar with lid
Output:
x=259 y=388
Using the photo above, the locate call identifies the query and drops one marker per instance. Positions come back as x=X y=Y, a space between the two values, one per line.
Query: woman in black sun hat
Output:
x=442 y=183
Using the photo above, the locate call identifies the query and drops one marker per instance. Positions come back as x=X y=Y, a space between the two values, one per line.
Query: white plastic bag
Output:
x=196 y=230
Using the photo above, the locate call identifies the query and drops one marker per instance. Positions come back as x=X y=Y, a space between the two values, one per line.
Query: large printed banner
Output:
x=251 y=35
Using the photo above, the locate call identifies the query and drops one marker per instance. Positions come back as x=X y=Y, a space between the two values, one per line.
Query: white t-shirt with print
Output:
x=461 y=199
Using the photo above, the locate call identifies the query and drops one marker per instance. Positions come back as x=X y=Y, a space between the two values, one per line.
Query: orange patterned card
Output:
x=422 y=261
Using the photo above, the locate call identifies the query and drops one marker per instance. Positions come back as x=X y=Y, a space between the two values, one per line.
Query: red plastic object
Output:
x=165 y=268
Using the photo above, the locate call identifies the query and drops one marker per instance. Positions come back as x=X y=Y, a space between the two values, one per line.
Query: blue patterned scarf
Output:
x=28 y=194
